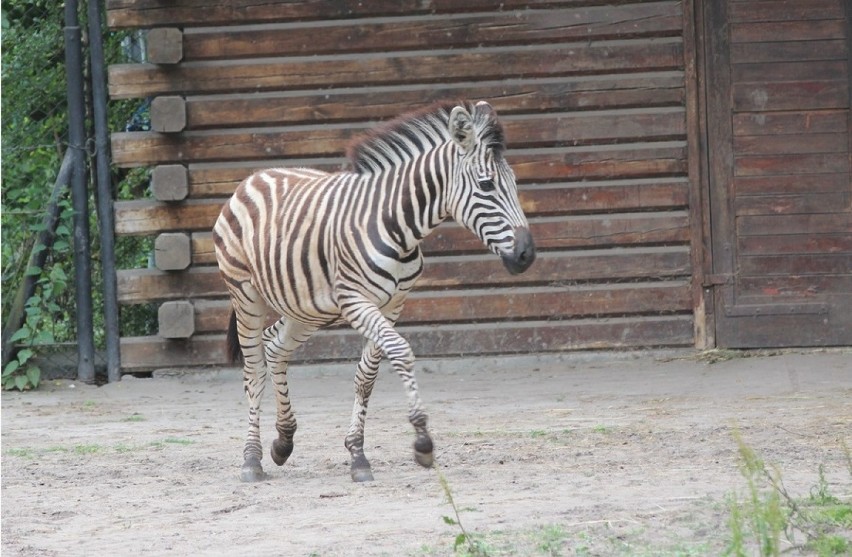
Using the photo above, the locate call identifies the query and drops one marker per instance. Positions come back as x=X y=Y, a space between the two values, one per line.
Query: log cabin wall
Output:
x=593 y=98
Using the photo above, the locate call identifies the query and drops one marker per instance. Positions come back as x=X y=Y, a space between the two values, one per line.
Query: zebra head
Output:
x=482 y=192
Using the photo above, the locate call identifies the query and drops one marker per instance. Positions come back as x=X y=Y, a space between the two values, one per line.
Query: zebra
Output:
x=319 y=249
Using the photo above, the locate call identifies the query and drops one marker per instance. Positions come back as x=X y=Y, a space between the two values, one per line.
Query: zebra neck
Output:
x=416 y=205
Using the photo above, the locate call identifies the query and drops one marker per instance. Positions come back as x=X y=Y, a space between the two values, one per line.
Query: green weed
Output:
x=768 y=510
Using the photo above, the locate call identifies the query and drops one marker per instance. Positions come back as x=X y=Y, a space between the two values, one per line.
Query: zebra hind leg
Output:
x=249 y=328
x=365 y=378
x=281 y=340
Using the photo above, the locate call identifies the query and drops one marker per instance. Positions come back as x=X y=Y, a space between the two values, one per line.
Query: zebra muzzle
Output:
x=523 y=253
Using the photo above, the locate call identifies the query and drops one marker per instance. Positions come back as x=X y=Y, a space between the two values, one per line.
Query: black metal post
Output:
x=106 y=217
x=79 y=194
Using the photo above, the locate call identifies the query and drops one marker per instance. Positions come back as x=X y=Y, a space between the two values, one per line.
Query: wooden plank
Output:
x=140 y=80
x=482 y=270
x=506 y=96
x=146 y=353
x=137 y=286
x=625 y=125
x=791 y=144
x=764 y=31
x=794 y=122
x=796 y=264
x=461 y=30
x=773 y=72
x=515 y=304
x=794 y=204
x=792 y=184
x=601 y=162
x=784 y=225
x=791 y=95
x=203 y=13
x=797 y=244
x=785 y=10
x=820 y=163
x=796 y=286
x=780 y=50
x=587 y=163
x=443 y=272
x=149 y=217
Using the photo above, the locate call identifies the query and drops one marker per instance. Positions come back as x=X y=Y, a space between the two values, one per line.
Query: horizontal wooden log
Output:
x=791 y=95
x=456 y=31
x=775 y=72
x=765 y=31
x=794 y=122
x=203 y=13
x=513 y=304
x=803 y=165
x=149 y=217
x=587 y=163
x=809 y=203
x=626 y=125
x=146 y=353
x=780 y=50
x=792 y=184
x=508 y=97
x=783 y=225
x=785 y=10
x=796 y=286
x=798 y=244
x=147 y=285
x=799 y=264
x=140 y=80
x=788 y=144
x=646 y=195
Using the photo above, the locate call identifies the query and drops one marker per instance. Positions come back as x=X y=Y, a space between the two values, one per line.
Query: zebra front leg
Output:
x=368 y=320
x=281 y=340
x=365 y=378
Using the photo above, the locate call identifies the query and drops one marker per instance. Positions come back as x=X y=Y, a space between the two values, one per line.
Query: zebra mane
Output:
x=425 y=129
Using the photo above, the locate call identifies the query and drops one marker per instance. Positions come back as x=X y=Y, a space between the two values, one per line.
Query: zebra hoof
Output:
x=362 y=475
x=280 y=451
x=252 y=471
x=423 y=451
x=360 y=469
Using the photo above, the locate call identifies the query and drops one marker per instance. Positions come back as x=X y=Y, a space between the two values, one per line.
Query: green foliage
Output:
x=34 y=139
x=46 y=314
x=768 y=511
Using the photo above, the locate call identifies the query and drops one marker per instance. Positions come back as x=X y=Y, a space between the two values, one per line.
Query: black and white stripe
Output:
x=318 y=248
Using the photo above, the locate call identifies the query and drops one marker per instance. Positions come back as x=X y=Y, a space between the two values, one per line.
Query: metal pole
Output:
x=106 y=216
x=79 y=194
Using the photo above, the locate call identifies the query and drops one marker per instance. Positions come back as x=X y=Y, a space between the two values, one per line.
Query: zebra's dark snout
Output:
x=523 y=254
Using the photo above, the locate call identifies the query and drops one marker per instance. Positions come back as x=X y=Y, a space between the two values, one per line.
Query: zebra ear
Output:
x=461 y=128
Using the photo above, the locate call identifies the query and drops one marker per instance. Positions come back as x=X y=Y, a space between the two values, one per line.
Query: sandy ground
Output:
x=573 y=455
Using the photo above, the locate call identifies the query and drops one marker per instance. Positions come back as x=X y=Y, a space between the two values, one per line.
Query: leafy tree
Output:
x=34 y=139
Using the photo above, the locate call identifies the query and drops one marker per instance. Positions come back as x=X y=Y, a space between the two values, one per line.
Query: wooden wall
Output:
x=593 y=100
x=781 y=161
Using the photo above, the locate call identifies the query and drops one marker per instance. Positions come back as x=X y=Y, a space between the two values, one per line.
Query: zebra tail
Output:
x=234 y=351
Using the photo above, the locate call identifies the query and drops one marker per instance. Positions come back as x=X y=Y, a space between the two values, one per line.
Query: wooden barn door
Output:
x=778 y=152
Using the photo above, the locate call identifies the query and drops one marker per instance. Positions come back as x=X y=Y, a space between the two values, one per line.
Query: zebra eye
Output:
x=486 y=184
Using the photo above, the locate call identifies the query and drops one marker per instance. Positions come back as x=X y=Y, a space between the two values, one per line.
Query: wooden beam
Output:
x=256 y=75
x=146 y=353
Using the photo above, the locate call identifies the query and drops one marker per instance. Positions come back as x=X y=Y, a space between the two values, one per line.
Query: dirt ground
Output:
x=614 y=454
